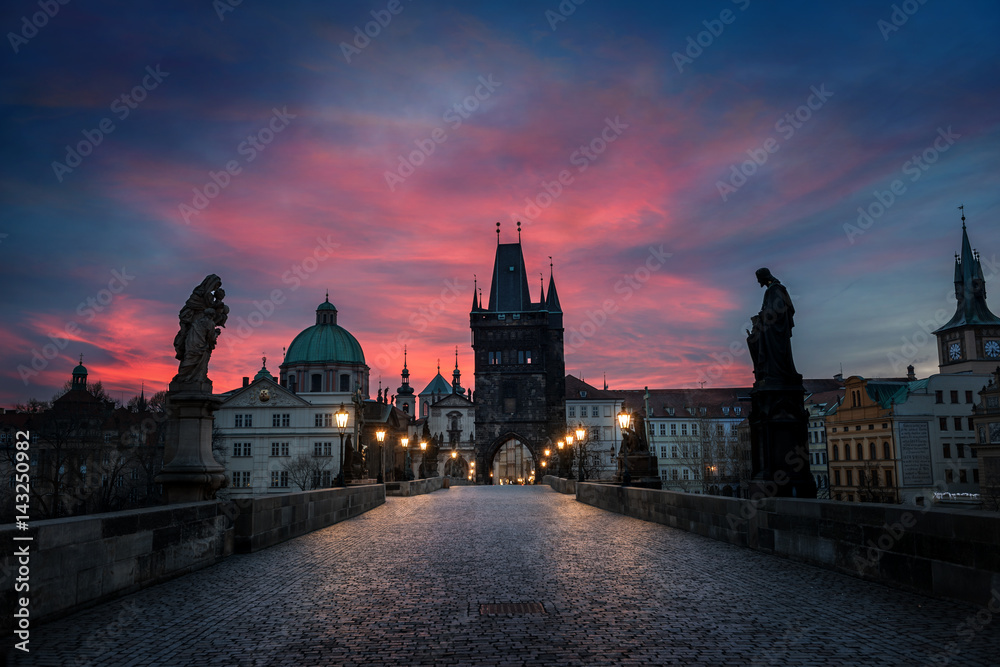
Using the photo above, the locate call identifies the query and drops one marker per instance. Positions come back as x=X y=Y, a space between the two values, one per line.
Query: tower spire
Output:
x=518 y=231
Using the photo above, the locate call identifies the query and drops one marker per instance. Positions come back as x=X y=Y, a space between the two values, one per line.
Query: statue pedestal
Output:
x=190 y=472
x=643 y=471
x=779 y=443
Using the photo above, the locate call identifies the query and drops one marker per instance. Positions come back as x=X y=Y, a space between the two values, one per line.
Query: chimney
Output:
x=246 y=381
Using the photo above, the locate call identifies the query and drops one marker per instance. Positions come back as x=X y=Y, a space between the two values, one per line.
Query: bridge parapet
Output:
x=945 y=552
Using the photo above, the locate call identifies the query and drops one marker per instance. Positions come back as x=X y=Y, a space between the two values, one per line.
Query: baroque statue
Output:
x=200 y=320
x=770 y=339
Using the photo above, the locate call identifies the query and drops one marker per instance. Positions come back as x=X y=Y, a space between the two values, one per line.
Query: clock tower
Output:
x=970 y=341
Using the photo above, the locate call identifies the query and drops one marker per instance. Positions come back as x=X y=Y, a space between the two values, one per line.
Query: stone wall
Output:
x=264 y=521
x=945 y=552
x=81 y=561
x=560 y=484
x=415 y=487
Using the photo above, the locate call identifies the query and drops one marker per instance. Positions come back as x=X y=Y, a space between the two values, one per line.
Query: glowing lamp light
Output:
x=580 y=433
x=342 y=416
x=380 y=436
x=569 y=441
x=624 y=419
x=404 y=442
x=423 y=445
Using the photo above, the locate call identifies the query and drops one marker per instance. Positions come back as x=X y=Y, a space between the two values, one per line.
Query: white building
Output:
x=595 y=410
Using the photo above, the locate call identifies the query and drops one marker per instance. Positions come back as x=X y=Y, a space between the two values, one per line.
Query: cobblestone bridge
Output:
x=409 y=582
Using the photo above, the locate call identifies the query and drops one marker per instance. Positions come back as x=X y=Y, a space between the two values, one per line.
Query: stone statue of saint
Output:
x=200 y=318
x=770 y=340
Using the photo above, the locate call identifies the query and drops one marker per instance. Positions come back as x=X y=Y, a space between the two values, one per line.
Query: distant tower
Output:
x=79 y=377
x=456 y=377
x=405 y=399
x=519 y=366
x=970 y=341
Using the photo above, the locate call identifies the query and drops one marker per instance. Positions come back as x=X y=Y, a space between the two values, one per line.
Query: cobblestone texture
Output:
x=403 y=585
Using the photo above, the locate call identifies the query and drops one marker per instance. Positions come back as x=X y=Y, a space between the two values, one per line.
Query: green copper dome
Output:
x=325 y=342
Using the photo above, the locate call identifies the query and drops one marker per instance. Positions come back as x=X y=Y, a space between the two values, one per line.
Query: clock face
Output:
x=992 y=349
x=954 y=351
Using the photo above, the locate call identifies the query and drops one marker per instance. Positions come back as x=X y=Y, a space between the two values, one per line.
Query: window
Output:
x=320 y=479
x=949 y=476
x=958 y=423
x=281 y=420
x=673 y=474
x=595 y=411
x=720 y=430
x=673 y=429
x=686 y=474
x=968 y=396
x=241 y=479
x=494 y=358
x=871 y=427
x=663 y=451
x=960 y=451
x=850 y=477
x=975 y=475
x=963 y=476
x=244 y=421
x=663 y=428
x=684 y=451
x=857 y=427
x=888 y=478
x=345 y=382
x=954 y=396
x=316 y=382
x=279 y=479
x=694 y=429
x=572 y=410
x=673 y=451
x=971 y=428
x=946 y=450
x=684 y=429
x=886 y=451
x=861 y=452
x=836 y=455
x=135 y=474
x=939 y=396
x=836 y=477
x=279 y=449
x=871 y=451
x=847 y=452
x=322 y=449
x=943 y=423
x=324 y=419
x=241 y=449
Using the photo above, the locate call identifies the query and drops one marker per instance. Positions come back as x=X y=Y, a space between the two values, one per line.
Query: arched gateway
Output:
x=520 y=371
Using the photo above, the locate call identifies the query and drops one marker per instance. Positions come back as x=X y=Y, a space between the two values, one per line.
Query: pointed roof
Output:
x=405 y=389
x=970 y=289
x=552 y=299
x=509 y=292
x=437 y=386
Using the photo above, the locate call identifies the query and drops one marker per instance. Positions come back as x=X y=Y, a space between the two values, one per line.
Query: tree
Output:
x=869 y=490
x=303 y=470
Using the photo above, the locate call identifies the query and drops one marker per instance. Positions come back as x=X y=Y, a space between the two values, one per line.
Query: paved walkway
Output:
x=404 y=584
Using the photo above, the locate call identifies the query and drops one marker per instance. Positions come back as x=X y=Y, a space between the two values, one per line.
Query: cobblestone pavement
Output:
x=403 y=585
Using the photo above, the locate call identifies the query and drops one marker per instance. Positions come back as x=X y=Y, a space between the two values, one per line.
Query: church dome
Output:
x=325 y=341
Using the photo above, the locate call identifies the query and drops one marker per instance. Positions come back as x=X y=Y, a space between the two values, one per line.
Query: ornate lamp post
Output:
x=341 y=417
x=408 y=470
x=581 y=433
x=624 y=422
x=562 y=457
x=380 y=436
x=423 y=453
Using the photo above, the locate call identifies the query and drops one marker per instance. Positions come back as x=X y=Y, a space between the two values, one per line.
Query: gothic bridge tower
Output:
x=520 y=372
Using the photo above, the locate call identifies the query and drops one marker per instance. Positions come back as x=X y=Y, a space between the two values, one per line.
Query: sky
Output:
x=659 y=152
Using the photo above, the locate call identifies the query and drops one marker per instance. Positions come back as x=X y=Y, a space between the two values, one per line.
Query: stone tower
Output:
x=520 y=372
x=970 y=341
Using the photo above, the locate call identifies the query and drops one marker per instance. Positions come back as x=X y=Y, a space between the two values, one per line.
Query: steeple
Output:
x=456 y=377
x=79 y=377
x=405 y=389
x=552 y=299
x=970 y=288
x=475 y=291
x=405 y=400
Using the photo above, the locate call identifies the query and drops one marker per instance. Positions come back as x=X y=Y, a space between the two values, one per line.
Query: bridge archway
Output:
x=509 y=457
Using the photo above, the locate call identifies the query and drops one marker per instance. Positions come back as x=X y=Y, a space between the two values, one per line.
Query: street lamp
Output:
x=408 y=473
x=341 y=417
x=380 y=436
x=624 y=421
x=423 y=450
